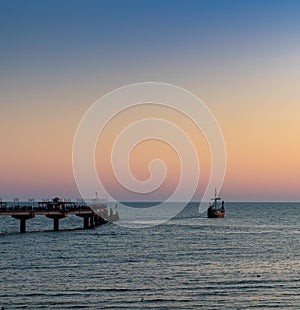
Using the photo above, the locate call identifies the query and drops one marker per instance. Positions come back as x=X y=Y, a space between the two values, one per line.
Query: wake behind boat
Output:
x=216 y=207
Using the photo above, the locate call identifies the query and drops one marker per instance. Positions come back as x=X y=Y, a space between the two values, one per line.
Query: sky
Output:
x=241 y=58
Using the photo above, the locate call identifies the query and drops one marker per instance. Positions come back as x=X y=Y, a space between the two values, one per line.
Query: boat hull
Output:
x=211 y=213
x=216 y=214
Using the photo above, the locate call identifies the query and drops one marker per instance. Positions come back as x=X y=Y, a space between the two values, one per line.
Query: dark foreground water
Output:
x=248 y=260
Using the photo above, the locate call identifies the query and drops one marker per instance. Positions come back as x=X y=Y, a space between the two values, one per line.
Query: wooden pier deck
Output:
x=56 y=210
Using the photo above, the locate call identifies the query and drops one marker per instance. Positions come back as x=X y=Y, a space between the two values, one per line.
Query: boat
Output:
x=216 y=207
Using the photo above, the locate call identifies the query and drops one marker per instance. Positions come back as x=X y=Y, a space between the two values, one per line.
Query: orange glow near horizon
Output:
x=261 y=142
x=148 y=150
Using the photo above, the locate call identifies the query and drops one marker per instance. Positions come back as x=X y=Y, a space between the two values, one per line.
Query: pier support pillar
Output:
x=22 y=225
x=92 y=223
x=22 y=218
x=56 y=218
x=56 y=224
x=86 y=222
x=91 y=220
x=99 y=220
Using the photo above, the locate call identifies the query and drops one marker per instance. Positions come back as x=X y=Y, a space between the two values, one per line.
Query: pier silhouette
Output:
x=57 y=209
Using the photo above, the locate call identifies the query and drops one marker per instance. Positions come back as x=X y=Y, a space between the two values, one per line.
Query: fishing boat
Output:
x=216 y=207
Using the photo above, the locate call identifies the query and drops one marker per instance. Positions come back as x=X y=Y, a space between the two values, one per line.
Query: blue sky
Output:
x=45 y=35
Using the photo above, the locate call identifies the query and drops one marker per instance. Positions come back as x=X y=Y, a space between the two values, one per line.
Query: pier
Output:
x=57 y=209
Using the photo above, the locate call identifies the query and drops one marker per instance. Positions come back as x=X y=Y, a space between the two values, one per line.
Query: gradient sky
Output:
x=240 y=57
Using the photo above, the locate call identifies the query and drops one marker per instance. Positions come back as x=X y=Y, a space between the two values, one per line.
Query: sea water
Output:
x=248 y=260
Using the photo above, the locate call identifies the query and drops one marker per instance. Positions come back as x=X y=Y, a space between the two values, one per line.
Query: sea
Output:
x=248 y=260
